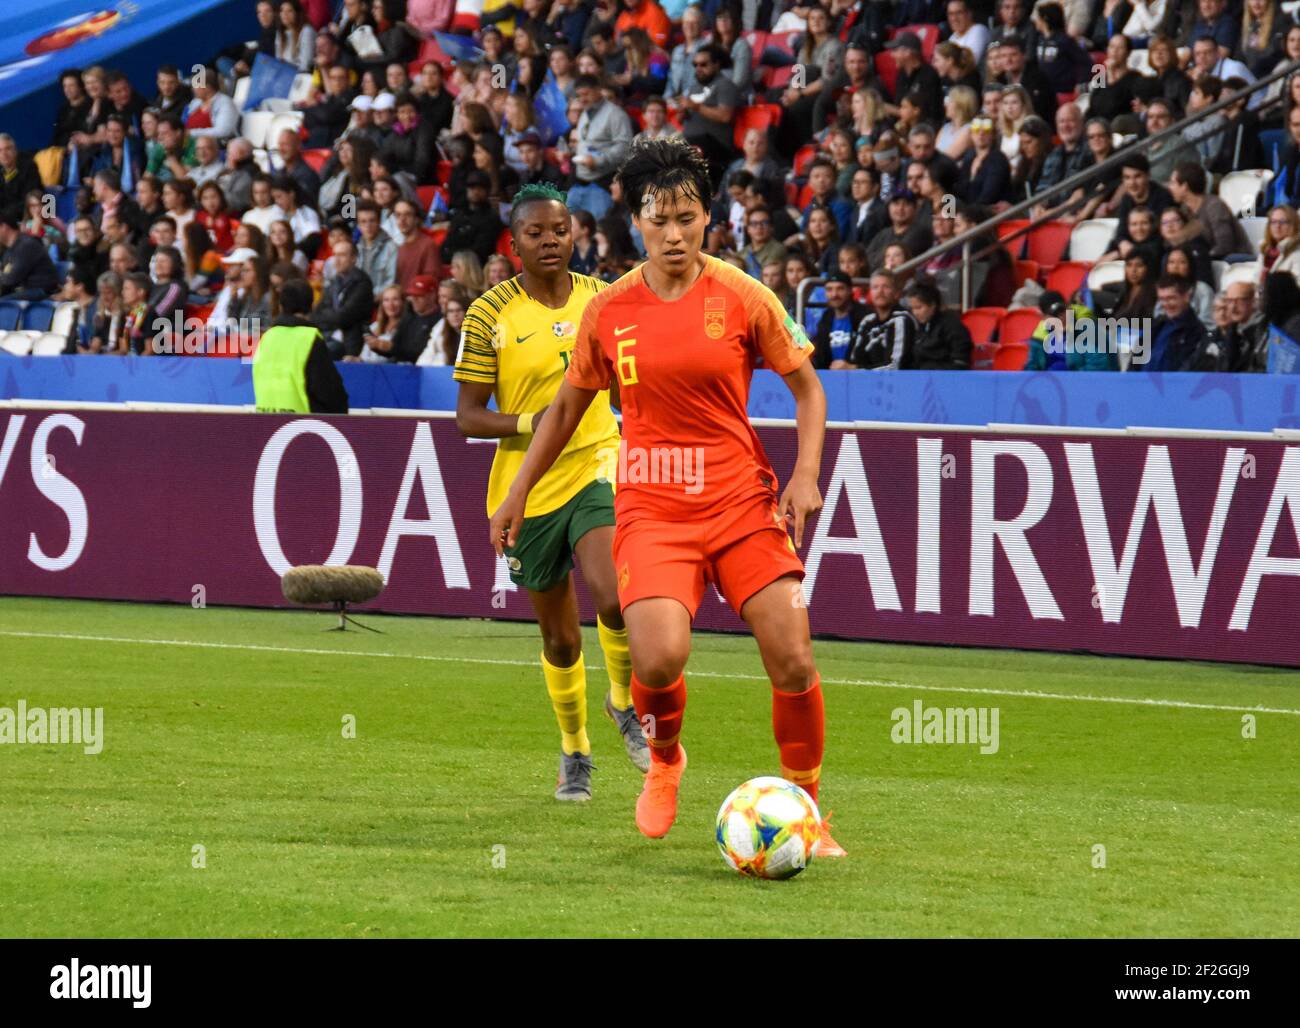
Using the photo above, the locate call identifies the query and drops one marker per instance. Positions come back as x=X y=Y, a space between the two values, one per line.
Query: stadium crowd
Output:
x=845 y=139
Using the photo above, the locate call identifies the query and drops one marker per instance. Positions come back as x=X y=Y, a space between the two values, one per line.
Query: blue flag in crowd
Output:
x=1283 y=353
x=458 y=48
x=552 y=111
x=269 y=79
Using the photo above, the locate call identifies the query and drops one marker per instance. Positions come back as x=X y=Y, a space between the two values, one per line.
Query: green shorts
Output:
x=543 y=554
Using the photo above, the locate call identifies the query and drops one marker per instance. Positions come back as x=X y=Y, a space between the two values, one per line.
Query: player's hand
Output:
x=800 y=499
x=504 y=528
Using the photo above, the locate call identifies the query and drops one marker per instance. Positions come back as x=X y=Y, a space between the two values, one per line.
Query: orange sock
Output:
x=798 y=721
x=666 y=706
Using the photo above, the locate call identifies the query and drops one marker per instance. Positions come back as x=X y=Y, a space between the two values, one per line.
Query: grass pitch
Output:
x=437 y=818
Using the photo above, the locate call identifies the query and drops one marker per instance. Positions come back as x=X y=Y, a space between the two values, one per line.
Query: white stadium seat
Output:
x=1105 y=274
x=65 y=315
x=1218 y=268
x=254 y=127
x=49 y=344
x=17 y=343
x=241 y=91
x=279 y=123
x=1247 y=271
x=1240 y=188
x=1089 y=239
x=301 y=89
x=1255 y=229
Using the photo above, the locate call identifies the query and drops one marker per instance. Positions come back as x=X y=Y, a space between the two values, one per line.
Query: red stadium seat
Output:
x=1011 y=356
x=805 y=197
x=847 y=29
x=503 y=242
x=1009 y=228
x=1065 y=98
x=803 y=157
x=428 y=194
x=887 y=71
x=443 y=173
x=780 y=77
x=982 y=323
x=1018 y=326
x=1068 y=277
x=316 y=159
x=757 y=40
x=792 y=193
x=1047 y=243
x=1024 y=270
x=759 y=116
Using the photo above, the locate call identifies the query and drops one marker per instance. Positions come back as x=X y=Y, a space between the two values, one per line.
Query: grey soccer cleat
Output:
x=629 y=727
x=574 y=783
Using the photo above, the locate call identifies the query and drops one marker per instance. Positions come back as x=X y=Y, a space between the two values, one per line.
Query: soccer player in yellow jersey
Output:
x=515 y=346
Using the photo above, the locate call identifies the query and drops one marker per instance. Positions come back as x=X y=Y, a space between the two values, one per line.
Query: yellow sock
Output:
x=567 y=687
x=618 y=662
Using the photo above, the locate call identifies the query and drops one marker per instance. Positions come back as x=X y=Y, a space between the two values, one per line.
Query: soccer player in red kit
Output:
x=696 y=501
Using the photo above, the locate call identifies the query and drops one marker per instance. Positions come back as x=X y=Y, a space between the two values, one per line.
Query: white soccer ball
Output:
x=768 y=828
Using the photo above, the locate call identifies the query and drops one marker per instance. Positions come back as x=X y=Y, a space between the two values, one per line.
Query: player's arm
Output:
x=475 y=421
x=802 y=496
x=562 y=418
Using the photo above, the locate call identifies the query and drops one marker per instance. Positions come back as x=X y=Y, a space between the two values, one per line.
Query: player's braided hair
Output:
x=531 y=192
x=657 y=169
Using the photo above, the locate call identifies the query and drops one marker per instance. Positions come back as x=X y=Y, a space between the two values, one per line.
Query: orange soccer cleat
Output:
x=826 y=846
x=656 y=807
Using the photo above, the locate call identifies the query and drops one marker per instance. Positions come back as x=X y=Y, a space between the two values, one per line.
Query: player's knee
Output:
x=562 y=647
x=795 y=671
x=660 y=669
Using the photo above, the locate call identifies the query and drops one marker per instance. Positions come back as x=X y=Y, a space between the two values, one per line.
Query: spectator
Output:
x=475 y=226
x=760 y=247
x=1173 y=233
x=821 y=180
x=707 y=120
x=681 y=69
x=264 y=210
x=119 y=152
x=326 y=116
x=412 y=145
x=985 y=170
x=1167 y=154
x=178 y=202
x=467 y=270
x=1177 y=335
x=88 y=250
x=916 y=78
x=956 y=67
x=74 y=109
x=1027 y=172
x=1051 y=348
x=839 y=323
x=1279 y=250
x=604 y=135
x=535 y=166
x=106 y=334
x=343 y=312
x=26 y=272
x=1116 y=96
x=42 y=224
x=122 y=260
x=1179 y=263
x=1239 y=146
x=280 y=248
x=211 y=113
x=295 y=39
x=941 y=342
x=1018 y=71
x=214 y=217
x=292 y=370
x=502 y=180
x=903 y=228
x=79 y=288
x=1171 y=82
x=647 y=15
x=175 y=156
x=418 y=320
x=445 y=337
x=870 y=212
x=303 y=220
x=204 y=272
x=1137 y=231
x=417 y=254
x=436 y=106
x=236 y=177
x=887 y=331
x=954 y=137
x=376 y=252
x=1213 y=220
x=18 y=177
x=1247 y=332
x=584 y=257
x=388 y=314
x=289 y=147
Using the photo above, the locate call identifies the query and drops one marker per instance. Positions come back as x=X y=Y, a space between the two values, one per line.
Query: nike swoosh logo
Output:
x=620 y=331
x=520 y=339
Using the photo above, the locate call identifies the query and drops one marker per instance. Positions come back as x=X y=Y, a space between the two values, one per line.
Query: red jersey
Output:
x=684 y=370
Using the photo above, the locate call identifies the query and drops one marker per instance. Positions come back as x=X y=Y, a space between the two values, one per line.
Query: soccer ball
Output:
x=768 y=828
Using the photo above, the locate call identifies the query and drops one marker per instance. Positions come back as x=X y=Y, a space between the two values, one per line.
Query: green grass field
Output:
x=234 y=742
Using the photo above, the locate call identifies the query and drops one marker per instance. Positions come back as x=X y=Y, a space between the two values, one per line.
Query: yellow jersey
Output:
x=523 y=348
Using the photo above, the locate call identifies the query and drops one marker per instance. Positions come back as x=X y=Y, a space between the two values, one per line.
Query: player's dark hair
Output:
x=534 y=192
x=662 y=168
x=295 y=296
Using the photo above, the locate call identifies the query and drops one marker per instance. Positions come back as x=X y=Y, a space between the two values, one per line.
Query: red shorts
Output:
x=740 y=550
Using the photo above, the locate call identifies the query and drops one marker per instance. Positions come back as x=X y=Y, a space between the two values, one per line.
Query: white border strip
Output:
x=869 y=683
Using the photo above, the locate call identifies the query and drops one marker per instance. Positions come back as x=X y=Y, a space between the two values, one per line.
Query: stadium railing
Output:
x=1024 y=208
